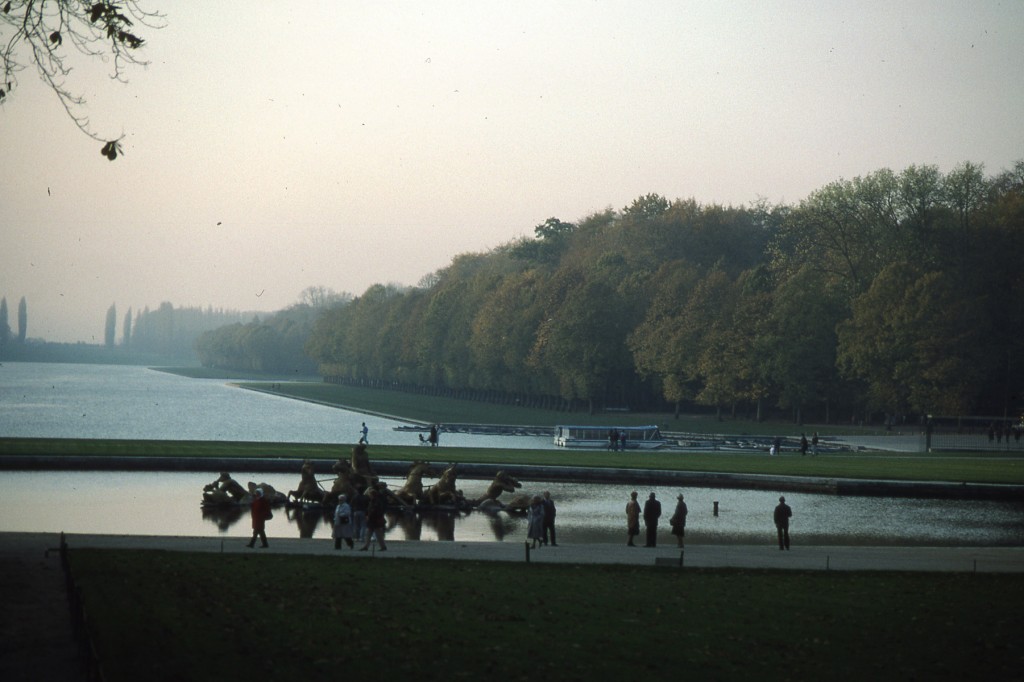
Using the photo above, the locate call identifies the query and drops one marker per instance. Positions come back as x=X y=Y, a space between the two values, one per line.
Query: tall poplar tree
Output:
x=126 y=334
x=22 y=320
x=111 y=326
x=5 y=330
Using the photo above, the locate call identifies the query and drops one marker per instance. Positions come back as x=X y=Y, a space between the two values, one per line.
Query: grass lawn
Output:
x=441 y=410
x=179 y=616
x=957 y=467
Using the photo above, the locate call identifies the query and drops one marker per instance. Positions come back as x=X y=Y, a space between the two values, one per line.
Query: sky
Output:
x=273 y=147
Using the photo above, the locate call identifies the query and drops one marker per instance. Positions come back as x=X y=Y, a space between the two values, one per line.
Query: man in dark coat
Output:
x=549 y=519
x=782 y=514
x=652 y=512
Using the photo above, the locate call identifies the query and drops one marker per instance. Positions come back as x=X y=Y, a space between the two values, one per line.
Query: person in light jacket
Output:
x=344 y=528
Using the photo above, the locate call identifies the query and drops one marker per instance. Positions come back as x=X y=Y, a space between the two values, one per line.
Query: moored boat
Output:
x=611 y=437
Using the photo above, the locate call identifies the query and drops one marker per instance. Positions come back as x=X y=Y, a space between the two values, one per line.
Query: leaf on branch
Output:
x=96 y=11
x=56 y=38
x=7 y=8
x=111 y=150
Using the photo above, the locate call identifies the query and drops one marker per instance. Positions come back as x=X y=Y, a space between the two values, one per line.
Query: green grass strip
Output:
x=946 y=467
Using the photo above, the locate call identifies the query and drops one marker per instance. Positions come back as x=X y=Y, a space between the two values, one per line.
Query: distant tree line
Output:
x=273 y=345
x=895 y=293
x=169 y=331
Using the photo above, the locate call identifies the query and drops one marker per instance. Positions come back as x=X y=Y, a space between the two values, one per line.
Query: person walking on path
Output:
x=678 y=520
x=343 y=526
x=613 y=439
x=803 y=444
x=652 y=512
x=260 y=513
x=632 y=519
x=535 y=521
x=375 y=521
x=782 y=516
x=364 y=437
x=549 y=519
x=814 y=444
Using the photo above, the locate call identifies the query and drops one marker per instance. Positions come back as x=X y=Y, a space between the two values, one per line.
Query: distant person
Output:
x=549 y=519
x=652 y=512
x=343 y=526
x=777 y=443
x=622 y=440
x=632 y=519
x=814 y=444
x=375 y=520
x=360 y=504
x=782 y=516
x=613 y=439
x=535 y=521
x=260 y=513
x=365 y=435
x=803 y=445
x=432 y=438
x=678 y=520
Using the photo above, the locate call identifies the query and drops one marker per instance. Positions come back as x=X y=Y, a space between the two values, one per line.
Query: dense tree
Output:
x=727 y=307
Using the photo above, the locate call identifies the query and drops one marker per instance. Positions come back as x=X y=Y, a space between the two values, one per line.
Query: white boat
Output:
x=636 y=437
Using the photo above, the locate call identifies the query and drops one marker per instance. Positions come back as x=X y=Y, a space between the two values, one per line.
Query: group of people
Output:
x=617 y=440
x=651 y=513
x=776 y=446
x=540 y=521
x=363 y=519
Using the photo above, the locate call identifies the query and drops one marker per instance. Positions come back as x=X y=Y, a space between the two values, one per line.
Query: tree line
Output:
x=894 y=293
x=273 y=345
x=7 y=336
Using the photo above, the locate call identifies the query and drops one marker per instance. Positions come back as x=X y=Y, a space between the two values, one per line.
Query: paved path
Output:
x=37 y=642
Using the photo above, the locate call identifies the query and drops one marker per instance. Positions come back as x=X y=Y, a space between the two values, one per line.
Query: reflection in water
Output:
x=154 y=503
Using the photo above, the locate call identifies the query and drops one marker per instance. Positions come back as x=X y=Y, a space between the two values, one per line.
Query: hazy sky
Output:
x=348 y=143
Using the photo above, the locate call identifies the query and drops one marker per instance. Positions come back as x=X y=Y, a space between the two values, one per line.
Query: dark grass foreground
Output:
x=179 y=616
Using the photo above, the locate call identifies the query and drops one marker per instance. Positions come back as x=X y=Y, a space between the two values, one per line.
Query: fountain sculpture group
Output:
x=355 y=475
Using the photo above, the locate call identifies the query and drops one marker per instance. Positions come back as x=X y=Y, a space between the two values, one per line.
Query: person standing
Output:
x=535 y=521
x=678 y=520
x=632 y=519
x=803 y=444
x=260 y=513
x=343 y=526
x=549 y=519
x=432 y=438
x=360 y=503
x=613 y=439
x=782 y=516
x=375 y=521
x=652 y=512
x=814 y=444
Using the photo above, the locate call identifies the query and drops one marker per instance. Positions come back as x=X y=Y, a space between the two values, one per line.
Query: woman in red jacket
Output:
x=260 y=513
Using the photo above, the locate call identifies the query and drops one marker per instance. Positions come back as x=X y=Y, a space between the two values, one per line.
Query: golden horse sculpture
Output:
x=444 y=491
x=226 y=491
x=309 y=490
x=503 y=483
x=412 y=492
